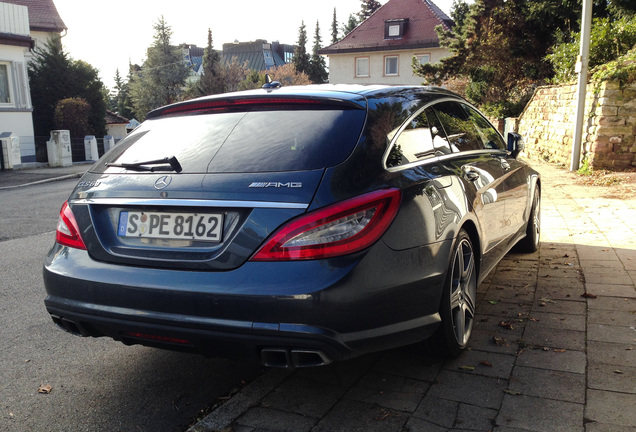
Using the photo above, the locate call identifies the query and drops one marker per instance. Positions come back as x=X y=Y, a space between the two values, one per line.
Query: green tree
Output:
x=122 y=103
x=351 y=23
x=317 y=65
x=211 y=81
x=301 y=58
x=163 y=73
x=72 y=114
x=334 y=28
x=368 y=8
x=54 y=76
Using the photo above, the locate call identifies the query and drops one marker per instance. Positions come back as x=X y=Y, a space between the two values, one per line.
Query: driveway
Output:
x=553 y=348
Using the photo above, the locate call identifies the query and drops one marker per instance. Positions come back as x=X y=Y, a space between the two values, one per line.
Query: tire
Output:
x=459 y=298
x=530 y=243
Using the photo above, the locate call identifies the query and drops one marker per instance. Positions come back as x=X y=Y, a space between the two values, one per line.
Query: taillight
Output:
x=67 y=233
x=339 y=229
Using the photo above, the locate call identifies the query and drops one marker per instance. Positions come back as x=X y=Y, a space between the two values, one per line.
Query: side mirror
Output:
x=515 y=144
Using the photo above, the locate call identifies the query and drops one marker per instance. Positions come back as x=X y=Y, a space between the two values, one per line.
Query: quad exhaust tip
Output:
x=293 y=358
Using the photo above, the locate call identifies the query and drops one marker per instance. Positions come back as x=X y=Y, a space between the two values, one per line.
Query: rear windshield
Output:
x=255 y=141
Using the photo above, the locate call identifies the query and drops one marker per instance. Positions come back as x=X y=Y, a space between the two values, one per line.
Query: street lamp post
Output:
x=581 y=69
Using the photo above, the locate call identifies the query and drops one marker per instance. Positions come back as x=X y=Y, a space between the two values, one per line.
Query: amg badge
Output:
x=276 y=185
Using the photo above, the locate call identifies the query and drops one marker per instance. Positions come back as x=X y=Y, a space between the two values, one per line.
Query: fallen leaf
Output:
x=499 y=341
x=507 y=324
x=511 y=392
x=566 y=256
x=588 y=295
x=559 y=350
x=485 y=363
x=467 y=368
x=45 y=389
x=534 y=319
x=493 y=302
x=618 y=372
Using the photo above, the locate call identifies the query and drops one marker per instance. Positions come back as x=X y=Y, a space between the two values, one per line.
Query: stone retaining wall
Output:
x=547 y=124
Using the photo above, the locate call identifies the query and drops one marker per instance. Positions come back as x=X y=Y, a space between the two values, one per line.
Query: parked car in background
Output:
x=297 y=226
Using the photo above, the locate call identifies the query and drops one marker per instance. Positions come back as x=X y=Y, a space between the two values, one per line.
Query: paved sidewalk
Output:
x=40 y=173
x=554 y=346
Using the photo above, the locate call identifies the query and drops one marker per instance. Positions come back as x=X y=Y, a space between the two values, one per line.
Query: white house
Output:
x=24 y=24
x=381 y=49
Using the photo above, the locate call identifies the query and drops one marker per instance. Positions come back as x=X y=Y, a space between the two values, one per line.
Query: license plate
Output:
x=160 y=225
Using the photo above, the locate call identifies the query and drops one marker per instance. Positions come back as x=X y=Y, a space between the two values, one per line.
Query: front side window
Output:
x=466 y=129
x=391 y=65
x=5 y=96
x=362 y=67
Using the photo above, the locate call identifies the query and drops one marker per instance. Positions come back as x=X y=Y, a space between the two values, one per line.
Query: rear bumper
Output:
x=285 y=314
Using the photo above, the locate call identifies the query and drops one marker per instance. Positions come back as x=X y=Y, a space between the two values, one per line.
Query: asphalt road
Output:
x=96 y=384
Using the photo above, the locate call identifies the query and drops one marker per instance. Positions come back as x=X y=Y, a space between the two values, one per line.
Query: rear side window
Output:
x=421 y=139
x=466 y=129
x=255 y=141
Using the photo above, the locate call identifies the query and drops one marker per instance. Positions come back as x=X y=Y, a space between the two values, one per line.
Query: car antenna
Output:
x=269 y=84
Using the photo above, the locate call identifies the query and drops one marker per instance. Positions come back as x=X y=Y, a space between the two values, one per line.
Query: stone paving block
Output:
x=475 y=418
x=548 y=384
x=560 y=289
x=485 y=363
x=275 y=420
x=495 y=342
x=538 y=336
x=502 y=309
x=557 y=321
x=304 y=397
x=517 y=293
x=614 y=304
x=418 y=425
x=614 y=277
x=611 y=377
x=596 y=253
x=340 y=374
x=566 y=361
x=555 y=306
x=540 y=415
x=611 y=317
x=611 y=333
x=438 y=411
x=600 y=427
x=390 y=391
x=611 y=353
x=624 y=291
x=413 y=361
x=353 y=416
x=486 y=392
x=611 y=408
x=556 y=251
x=560 y=270
x=512 y=327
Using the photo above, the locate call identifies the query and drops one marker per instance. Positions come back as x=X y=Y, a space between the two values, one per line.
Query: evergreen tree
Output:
x=163 y=74
x=120 y=102
x=317 y=66
x=54 y=76
x=211 y=81
x=334 y=28
x=301 y=58
x=368 y=8
x=352 y=23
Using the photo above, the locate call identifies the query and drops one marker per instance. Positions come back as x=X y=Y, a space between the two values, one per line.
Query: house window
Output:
x=5 y=96
x=423 y=58
x=395 y=28
x=391 y=65
x=362 y=67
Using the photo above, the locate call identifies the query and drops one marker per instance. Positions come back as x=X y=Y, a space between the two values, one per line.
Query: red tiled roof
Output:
x=423 y=16
x=114 y=118
x=43 y=15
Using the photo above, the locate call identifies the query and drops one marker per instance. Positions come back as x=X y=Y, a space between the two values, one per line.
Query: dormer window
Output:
x=395 y=29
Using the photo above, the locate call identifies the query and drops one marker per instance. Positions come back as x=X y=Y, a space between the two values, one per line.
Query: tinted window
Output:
x=420 y=139
x=257 y=141
x=466 y=129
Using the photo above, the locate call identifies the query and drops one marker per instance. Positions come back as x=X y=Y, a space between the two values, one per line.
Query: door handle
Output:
x=470 y=174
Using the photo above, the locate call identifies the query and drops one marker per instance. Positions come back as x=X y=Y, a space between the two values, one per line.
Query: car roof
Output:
x=335 y=93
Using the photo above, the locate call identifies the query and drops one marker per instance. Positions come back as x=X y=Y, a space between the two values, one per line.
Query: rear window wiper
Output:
x=165 y=164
